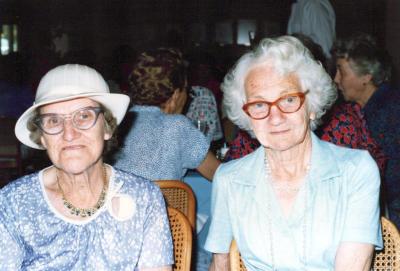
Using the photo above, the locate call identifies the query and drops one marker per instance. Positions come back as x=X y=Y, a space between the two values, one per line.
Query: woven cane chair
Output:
x=182 y=237
x=389 y=257
x=180 y=196
x=235 y=260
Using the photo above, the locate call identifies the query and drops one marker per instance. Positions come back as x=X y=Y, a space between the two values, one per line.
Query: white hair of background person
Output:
x=287 y=55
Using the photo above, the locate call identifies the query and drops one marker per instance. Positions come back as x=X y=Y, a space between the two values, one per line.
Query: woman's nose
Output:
x=70 y=132
x=276 y=116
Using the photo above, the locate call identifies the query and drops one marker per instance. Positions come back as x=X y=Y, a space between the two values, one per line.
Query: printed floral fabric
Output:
x=204 y=107
x=35 y=236
x=242 y=145
x=348 y=127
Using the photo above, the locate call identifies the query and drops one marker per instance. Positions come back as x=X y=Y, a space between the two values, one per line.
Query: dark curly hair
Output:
x=156 y=75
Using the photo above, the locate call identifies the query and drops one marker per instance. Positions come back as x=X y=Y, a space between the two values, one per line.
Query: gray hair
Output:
x=287 y=55
x=365 y=57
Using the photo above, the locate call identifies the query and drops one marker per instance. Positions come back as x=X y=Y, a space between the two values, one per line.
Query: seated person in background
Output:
x=80 y=213
x=242 y=145
x=296 y=203
x=160 y=143
x=203 y=108
x=363 y=73
x=346 y=126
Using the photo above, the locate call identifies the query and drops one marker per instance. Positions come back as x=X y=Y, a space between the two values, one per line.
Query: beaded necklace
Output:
x=86 y=212
x=268 y=177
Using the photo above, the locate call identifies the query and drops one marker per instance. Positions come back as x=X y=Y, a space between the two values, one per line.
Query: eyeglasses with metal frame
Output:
x=289 y=103
x=82 y=119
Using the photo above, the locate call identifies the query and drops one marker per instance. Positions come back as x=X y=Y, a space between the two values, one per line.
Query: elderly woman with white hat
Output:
x=79 y=213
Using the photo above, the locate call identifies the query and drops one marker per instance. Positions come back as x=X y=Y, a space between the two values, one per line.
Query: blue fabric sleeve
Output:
x=157 y=248
x=220 y=233
x=193 y=144
x=362 y=222
x=11 y=248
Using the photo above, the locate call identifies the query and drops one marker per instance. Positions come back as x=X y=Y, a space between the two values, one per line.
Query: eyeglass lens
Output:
x=287 y=104
x=82 y=119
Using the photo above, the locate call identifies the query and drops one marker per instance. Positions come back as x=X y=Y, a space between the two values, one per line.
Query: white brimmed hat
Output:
x=69 y=82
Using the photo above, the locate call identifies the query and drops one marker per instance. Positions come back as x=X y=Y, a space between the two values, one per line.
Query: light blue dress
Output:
x=161 y=146
x=342 y=191
x=35 y=236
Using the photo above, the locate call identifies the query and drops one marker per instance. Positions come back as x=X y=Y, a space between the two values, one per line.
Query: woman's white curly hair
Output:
x=288 y=56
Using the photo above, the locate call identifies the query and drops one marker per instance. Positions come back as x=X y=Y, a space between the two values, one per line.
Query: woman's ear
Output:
x=107 y=135
x=43 y=141
x=366 y=78
x=312 y=116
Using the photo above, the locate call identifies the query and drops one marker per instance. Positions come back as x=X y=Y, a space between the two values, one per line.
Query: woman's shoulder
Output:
x=243 y=169
x=21 y=186
x=134 y=182
x=21 y=194
x=178 y=120
x=345 y=156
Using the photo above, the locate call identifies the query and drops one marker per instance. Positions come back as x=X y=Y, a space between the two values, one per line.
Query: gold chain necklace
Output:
x=268 y=175
x=86 y=212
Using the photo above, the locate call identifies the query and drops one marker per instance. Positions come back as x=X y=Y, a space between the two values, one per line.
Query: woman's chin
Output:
x=76 y=166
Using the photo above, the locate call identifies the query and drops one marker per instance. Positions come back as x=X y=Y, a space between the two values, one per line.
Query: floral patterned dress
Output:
x=347 y=127
x=35 y=236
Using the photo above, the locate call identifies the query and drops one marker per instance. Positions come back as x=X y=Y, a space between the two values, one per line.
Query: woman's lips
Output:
x=279 y=132
x=73 y=147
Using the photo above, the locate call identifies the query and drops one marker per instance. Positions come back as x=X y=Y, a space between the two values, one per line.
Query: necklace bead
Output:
x=287 y=189
x=86 y=212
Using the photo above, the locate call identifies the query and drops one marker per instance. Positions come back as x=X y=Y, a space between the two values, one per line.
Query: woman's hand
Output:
x=354 y=257
x=220 y=262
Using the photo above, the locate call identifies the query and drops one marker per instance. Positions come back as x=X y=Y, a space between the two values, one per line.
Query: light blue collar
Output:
x=323 y=168
x=323 y=164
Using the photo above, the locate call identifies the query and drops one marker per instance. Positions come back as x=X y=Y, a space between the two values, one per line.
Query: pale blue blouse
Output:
x=342 y=191
x=35 y=236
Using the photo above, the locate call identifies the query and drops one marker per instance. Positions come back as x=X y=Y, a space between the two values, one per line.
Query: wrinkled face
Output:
x=279 y=131
x=74 y=150
x=350 y=84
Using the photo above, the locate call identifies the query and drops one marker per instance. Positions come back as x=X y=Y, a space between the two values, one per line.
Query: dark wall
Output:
x=100 y=26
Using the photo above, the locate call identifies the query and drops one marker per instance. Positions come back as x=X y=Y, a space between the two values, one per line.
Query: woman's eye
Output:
x=84 y=115
x=52 y=121
x=290 y=99
x=259 y=105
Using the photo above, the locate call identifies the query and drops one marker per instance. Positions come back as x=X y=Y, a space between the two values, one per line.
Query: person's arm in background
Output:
x=209 y=165
x=220 y=262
